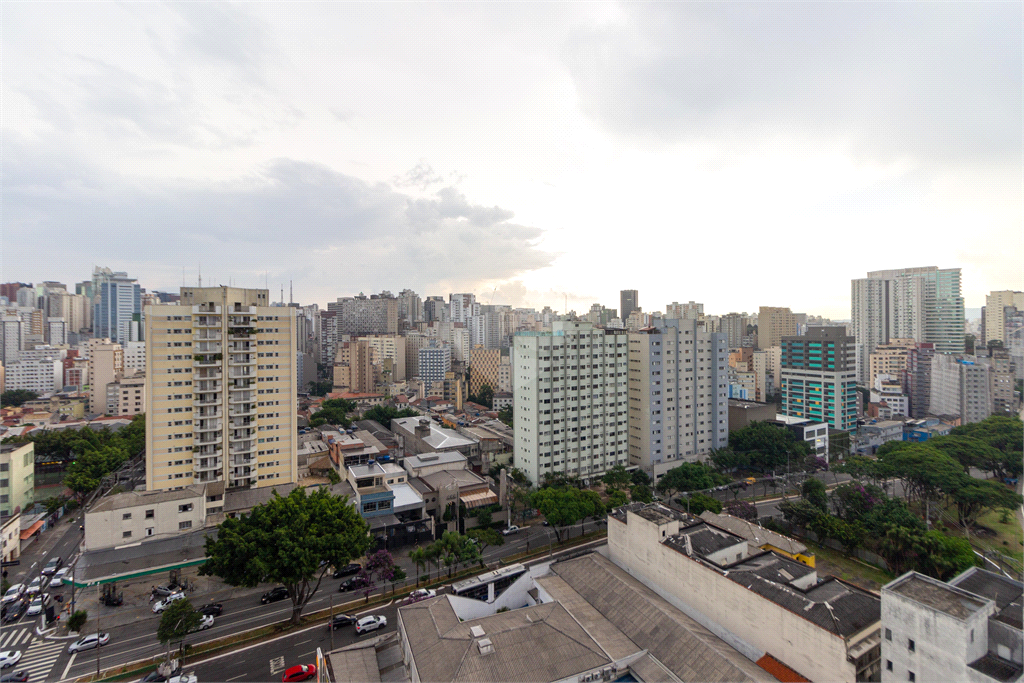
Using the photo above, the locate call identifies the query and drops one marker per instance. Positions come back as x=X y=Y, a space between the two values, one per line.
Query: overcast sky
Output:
x=736 y=154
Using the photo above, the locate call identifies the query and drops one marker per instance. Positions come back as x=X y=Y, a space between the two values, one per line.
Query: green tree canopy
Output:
x=1005 y=434
x=927 y=472
x=16 y=397
x=615 y=477
x=769 y=447
x=853 y=500
x=700 y=502
x=974 y=496
x=813 y=491
x=385 y=414
x=562 y=507
x=486 y=537
x=176 y=622
x=690 y=476
x=641 y=493
x=291 y=540
x=890 y=512
x=505 y=415
x=968 y=451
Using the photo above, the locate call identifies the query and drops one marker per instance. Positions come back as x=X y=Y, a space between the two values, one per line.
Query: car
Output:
x=90 y=642
x=422 y=594
x=9 y=658
x=279 y=593
x=352 y=584
x=52 y=566
x=38 y=604
x=347 y=570
x=213 y=609
x=37 y=584
x=299 y=672
x=60 y=577
x=164 y=591
x=15 y=610
x=509 y=530
x=184 y=678
x=161 y=605
x=206 y=622
x=343 y=620
x=371 y=623
x=14 y=593
x=16 y=677
x=155 y=676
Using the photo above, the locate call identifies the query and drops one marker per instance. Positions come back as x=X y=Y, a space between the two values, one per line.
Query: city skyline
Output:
x=356 y=148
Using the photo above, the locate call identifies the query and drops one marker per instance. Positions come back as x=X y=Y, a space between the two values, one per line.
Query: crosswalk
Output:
x=37 y=656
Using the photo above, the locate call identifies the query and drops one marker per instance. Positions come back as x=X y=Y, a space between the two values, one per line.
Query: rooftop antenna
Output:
x=291 y=293
x=200 y=274
x=282 y=292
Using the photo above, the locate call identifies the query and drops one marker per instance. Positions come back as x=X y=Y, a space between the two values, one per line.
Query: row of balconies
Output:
x=207 y=438
x=207 y=450
x=242 y=410
x=206 y=464
x=206 y=321
x=207 y=399
x=207 y=359
x=236 y=396
x=206 y=334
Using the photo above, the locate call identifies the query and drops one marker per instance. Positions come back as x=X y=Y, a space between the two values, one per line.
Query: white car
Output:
x=422 y=594
x=38 y=604
x=58 y=578
x=184 y=678
x=9 y=658
x=37 y=584
x=372 y=623
x=13 y=593
x=89 y=642
x=161 y=605
x=512 y=529
x=206 y=622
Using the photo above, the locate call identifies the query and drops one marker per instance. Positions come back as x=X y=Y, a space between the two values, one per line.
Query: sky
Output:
x=731 y=153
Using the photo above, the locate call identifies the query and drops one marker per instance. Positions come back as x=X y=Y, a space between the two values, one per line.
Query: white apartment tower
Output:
x=220 y=390
x=678 y=394
x=570 y=398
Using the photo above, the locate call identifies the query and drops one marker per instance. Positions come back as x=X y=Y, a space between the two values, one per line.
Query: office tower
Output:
x=918 y=378
x=361 y=315
x=353 y=367
x=993 y=315
x=117 y=311
x=774 y=323
x=40 y=375
x=106 y=365
x=435 y=361
x=414 y=341
x=220 y=390
x=435 y=309
x=923 y=304
x=678 y=394
x=462 y=307
x=734 y=326
x=483 y=369
x=629 y=301
x=819 y=377
x=1003 y=402
x=571 y=407
x=687 y=311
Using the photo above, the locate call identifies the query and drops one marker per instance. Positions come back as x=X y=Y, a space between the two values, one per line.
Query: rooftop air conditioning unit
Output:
x=485 y=645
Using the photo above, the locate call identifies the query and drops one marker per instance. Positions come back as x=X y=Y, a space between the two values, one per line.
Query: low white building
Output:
x=133 y=517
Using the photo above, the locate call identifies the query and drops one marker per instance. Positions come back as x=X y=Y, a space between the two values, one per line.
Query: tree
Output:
x=16 y=397
x=483 y=518
x=176 y=622
x=378 y=568
x=852 y=501
x=486 y=537
x=968 y=451
x=562 y=507
x=769 y=447
x=615 y=477
x=742 y=509
x=485 y=396
x=850 y=534
x=617 y=499
x=813 y=491
x=320 y=387
x=890 y=512
x=1005 y=434
x=727 y=460
x=974 y=496
x=593 y=506
x=385 y=414
x=420 y=559
x=77 y=620
x=505 y=415
x=927 y=473
x=690 y=476
x=640 y=477
x=641 y=493
x=799 y=512
x=292 y=540
x=700 y=502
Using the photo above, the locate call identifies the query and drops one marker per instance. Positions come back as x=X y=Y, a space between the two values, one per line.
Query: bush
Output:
x=77 y=620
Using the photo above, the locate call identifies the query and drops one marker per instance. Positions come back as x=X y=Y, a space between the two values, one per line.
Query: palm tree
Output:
x=419 y=558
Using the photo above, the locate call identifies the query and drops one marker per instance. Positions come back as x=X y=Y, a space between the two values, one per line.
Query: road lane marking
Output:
x=68 y=667
x=237 y=677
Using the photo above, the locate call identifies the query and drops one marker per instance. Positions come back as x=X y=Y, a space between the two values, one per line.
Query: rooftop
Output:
x=129 y=499
x=754 y=533
x=429 y=459
x=439 y=438
x=1000 y=589
x=956 y=602
x=464 y=478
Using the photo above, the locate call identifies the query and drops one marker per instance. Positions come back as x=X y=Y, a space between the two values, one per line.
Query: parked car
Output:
x=14 y=593
x=16 y=677
x=60 y=577
x=38 y=604
x=347 y=570
x=343 y=620
x=90 y=642
x=509 y=530
x=167 y=590
x=53 y=565
x=37 y=584
x=352 y=584
x=15 y=610
x=279 y=593
x=206 y=622
x=299 y=672
x=161 y=605
x=9 y=658
x=213 y=609
x=371 y=623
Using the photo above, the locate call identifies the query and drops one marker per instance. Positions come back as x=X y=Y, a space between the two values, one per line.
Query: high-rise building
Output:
x=10 y=338
x=435 y=309
x=388 y=352
x=106 y=365
x=1003 y=402
x=570 y=393
x=410 y=309
x=687 y=311
x=889 y=359
x=462 y=307
x=923 y=304
x=993 y=315
x=734 y=326
x=353 y=367
x=678 y=394
x=774 y=323
x=918 y=379
x=435 y=361
x=629 y=301
x=127 y=396
x=328 y=337
x=361 y=315
x=39 y=375
x=483 y=369
x=819 y=377
x=56 y=331
x=961 y=386
x=414 y=341
x=117 y=306
x=220 y=390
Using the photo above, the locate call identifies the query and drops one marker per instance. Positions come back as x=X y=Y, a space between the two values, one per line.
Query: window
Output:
x=126 y=534
x=150 y=514
x=185 y=508
x=126 y=515
x=149 y=531
x=185 y=525
x=888 y=665
x=888 y=634
x=910 y=645
x=911 y=677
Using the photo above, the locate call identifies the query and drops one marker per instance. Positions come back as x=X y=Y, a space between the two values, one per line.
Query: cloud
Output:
x=331 y=233
x=421 y=176
x=935 y=81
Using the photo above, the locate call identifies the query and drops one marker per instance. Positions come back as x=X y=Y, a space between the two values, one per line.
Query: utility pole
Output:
x=98 y=633
x=330 y=622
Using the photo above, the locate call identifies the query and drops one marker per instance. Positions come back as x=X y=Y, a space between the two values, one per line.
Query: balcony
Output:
x=207 y=359
x=238 y=396
x=242 y=359
x=205 y=399
x=207 y=451
x=241 y=373
x=242 y=383
x=205 y=464
x=245 y=409
x=241 y=347
x=240 y=434
x=237 y=460
x=207 y=438
x=239 y=308
x=207 y=425
x=207 y=334
x=206 y=308
x=240 y=422
x=242 y=448
x=206 y=347
x=214 y=373
x=206 y=322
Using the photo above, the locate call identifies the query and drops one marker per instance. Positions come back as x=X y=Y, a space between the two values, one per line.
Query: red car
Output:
x=299 y=672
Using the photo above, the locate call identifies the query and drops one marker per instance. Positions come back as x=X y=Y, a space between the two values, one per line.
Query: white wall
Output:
x=106 y=528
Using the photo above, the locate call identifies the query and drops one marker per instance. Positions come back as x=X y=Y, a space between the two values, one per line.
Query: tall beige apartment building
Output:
x=483 y=368
x=889 y=359
x=995 y=305
x=220 y=390
x=353 y=367
x=106 y=365
x=385 y=347
x=774 y=323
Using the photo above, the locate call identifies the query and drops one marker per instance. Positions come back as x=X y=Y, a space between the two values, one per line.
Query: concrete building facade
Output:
x=106 y=365
x=774 y=323
x=994 y=317
x=42 y=376
x=819 y=377
x=17 y=477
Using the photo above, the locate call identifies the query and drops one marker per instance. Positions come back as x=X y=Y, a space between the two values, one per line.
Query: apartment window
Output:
x=910 y=645
x=150 y=514
x=185 y=525
x=149 y=531
x=126 y=515
x=185 y=508
x=888 y=634
x=126 y=534
x=888 y=665
x=911 y=677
